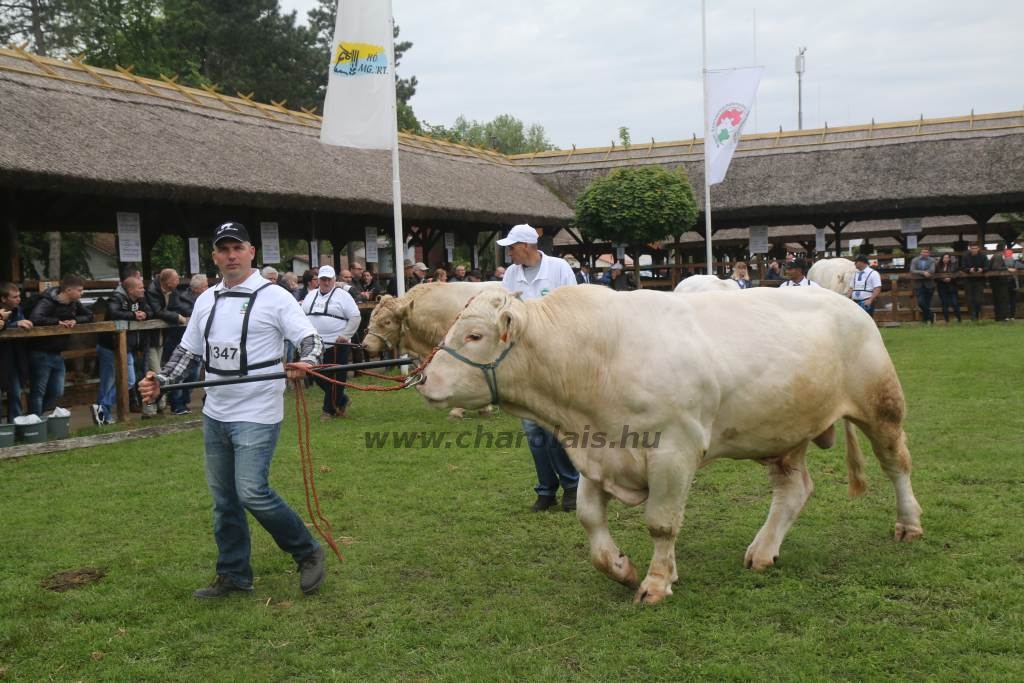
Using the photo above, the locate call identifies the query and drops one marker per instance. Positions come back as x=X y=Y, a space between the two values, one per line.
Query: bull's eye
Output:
x=472 y=337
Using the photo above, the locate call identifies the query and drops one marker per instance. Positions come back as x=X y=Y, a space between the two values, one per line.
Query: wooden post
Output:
x=121 y=361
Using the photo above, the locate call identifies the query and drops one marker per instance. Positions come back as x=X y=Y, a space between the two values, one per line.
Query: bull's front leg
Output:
x=592 y=511
x=669 y=476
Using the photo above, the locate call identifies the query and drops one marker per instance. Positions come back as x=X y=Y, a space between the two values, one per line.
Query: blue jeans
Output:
x=13 y=386
x=551 y=460
x=238 y=456
x=868 y=308
x=47 y=370
x=924 y=302
x=108 y=387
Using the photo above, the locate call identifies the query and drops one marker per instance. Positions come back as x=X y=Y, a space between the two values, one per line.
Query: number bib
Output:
x=224 y=355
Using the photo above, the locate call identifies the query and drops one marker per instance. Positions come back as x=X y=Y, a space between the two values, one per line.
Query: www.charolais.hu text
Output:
x=482 y=438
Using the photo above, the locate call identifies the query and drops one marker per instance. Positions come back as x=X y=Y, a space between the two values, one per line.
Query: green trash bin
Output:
x=6 y=435
x=31 y=433
x=58 y=427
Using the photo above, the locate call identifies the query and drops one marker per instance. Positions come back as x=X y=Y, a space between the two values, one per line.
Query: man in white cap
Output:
x=336 y=317
x=535 y=274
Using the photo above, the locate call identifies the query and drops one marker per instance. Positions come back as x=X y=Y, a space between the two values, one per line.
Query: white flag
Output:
x=729 y=95
x=359 y=110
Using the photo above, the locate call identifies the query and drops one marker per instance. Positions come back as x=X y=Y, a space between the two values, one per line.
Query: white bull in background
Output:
x=835 y=274
x=415 y=322
x=688 y=389
x=706 y=283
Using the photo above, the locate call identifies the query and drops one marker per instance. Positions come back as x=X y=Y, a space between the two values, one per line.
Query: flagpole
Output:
x=396 y=181
x=707 y=136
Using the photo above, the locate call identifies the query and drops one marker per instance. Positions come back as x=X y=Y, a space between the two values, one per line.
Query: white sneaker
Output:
x=97 y=414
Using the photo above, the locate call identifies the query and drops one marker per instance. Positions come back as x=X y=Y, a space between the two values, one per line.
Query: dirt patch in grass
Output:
x=72 y=578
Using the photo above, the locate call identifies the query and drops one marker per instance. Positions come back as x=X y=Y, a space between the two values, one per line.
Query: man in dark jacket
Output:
x=162 y=296
x=974 y=264
x=129 y=303
x=13 y=354
x=58 y=306
x=178 y=400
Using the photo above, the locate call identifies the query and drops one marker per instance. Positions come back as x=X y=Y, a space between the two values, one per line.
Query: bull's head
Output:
x=463 y=372
x=385 y=328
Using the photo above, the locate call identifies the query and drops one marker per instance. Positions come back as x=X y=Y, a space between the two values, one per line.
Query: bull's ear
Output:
x=510 y=324
x=402 y=309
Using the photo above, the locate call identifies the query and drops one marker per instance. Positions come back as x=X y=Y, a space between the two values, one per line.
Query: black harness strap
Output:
x=243 y=359
x=326 y=304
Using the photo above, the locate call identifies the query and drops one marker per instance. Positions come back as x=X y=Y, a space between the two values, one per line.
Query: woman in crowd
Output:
x=368 y=288
x=946 y=273
x=440 y=275
x=741 y=274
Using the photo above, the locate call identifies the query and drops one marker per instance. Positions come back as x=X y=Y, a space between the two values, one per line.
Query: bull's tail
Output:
x=854 y=462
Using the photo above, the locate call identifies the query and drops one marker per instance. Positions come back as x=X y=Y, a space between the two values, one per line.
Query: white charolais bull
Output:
x=416 y=322
x=706 y=283
x=688 y=389
x=835 y=274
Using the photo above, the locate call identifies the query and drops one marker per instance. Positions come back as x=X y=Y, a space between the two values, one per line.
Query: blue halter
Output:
x=487 y=368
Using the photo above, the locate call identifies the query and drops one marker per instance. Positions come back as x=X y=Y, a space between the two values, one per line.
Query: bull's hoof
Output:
x=907 y=532
x=457 y=413
x=759 y=560
x=486 y=412
x=650 y=594
x=624 y=572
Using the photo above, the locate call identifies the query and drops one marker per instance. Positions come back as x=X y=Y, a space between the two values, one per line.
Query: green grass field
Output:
x=449 y=577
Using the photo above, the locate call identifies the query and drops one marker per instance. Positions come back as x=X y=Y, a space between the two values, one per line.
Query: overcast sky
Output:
x=583 y=69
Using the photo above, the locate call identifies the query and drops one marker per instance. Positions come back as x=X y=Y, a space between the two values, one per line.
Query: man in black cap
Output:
x=237 y=329
x=867 y=285
x=796 y=274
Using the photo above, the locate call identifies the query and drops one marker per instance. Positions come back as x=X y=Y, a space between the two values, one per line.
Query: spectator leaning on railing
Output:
x=127 y=303
x=162 y=295
x=974 y=264
x=13 y=357
x=58 y=306
x=179 y=399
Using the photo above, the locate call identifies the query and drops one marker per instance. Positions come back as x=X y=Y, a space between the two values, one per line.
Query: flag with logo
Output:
x=359 y=110
x=729 y=96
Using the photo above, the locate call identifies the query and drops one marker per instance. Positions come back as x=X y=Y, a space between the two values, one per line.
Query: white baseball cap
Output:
x=326 y=271
x=519 y=233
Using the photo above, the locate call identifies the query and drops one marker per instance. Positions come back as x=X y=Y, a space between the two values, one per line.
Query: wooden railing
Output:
x=120 y=329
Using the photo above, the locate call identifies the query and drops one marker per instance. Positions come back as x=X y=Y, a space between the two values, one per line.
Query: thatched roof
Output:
x=87 y=130
x=970 y=164
x=71 y=128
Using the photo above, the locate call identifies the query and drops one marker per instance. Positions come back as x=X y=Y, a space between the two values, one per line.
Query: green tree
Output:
x=34 y=249
x=637 y=205
x=624 y=136
x=49 y=27
x=505 y=134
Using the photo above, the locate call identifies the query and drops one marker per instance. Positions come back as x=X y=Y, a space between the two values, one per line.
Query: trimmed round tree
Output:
x=637 y=205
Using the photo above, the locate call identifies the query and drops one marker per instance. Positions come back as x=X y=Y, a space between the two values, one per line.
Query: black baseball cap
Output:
x=230 y=231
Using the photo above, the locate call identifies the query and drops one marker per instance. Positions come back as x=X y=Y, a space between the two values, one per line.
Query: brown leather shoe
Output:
x=543 y=503
x=569 y=500
x=312 y=571
x=220 y=587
